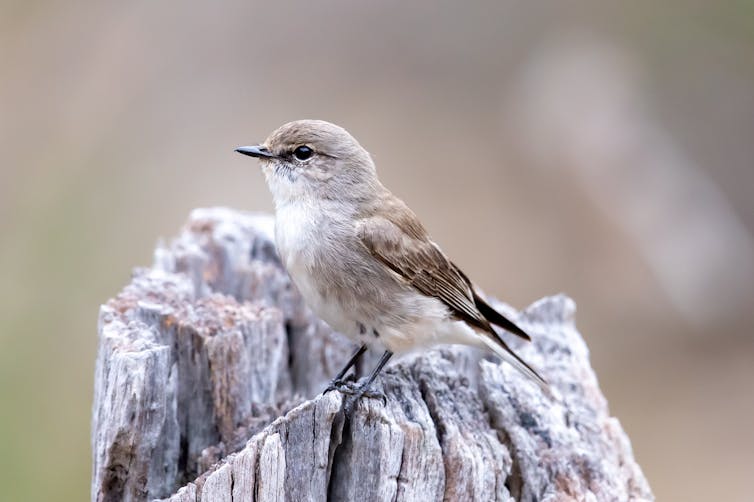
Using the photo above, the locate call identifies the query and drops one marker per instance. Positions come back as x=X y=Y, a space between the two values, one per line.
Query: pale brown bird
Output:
x=360 y=257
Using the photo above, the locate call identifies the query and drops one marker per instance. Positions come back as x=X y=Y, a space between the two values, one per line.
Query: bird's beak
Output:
x=258 y=151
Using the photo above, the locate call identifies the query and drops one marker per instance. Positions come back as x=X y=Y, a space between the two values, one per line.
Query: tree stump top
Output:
x=207 y=387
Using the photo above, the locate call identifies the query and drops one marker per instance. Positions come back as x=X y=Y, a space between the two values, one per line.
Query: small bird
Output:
x=360 y=257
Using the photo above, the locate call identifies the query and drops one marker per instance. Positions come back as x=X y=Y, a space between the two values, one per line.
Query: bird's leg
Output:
x=362 y=389
x=383 y=361
x=337 y=382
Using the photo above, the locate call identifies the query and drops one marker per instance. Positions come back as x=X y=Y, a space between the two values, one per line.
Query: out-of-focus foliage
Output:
x=604 y=150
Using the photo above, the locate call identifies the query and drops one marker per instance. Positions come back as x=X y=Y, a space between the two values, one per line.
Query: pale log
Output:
x=208 y=382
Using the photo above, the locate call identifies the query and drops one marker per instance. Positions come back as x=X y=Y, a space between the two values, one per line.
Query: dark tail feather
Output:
x=501 y=349
x=497 y=318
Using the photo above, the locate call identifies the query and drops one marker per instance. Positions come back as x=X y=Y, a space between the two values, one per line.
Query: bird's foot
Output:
x=340 y=384
x=356 y=392
x=354 y=389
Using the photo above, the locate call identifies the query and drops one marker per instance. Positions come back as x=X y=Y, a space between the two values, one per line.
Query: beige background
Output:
x=600 y=150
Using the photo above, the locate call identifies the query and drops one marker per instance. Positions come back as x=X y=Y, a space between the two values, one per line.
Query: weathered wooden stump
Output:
x=207 y=388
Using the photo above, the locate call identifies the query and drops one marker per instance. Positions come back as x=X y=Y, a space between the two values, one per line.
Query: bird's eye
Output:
x=303 y=152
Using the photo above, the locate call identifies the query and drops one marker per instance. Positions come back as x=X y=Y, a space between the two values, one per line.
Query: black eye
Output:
x=303 y=152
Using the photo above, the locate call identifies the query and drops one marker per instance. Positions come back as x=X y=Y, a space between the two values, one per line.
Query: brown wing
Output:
x=404 y=247
x=491 y=314
x=419 y=262
x=498 y=319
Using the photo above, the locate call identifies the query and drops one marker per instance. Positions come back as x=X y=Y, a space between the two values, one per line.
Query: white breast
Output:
x=299 y=234
x=295 y=227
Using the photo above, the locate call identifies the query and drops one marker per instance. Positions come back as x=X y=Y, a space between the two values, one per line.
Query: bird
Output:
x=362 y=260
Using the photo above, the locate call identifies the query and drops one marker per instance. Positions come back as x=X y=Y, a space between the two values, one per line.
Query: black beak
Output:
x=258 y=151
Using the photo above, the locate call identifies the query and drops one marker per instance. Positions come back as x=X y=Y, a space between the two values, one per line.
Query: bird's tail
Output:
x=505 y=353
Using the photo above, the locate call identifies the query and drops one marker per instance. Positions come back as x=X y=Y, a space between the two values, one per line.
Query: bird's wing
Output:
x=490 y=313
x=497 y=318
x=405 y=248
x=400 y=242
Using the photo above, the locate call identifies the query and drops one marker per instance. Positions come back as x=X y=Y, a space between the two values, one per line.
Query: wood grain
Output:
x=207 y=387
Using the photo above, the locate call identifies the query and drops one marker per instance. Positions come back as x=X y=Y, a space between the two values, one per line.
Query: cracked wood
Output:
x=207 y=381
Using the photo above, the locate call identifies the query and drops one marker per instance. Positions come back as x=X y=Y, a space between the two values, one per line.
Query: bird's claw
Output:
x=351 y=388
x=340 y=385
x=357 y=394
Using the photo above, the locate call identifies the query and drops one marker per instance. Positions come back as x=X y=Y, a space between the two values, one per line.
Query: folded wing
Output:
x=399 y=241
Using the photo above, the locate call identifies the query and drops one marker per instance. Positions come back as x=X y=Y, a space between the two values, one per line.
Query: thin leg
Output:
x=339 y=377
x=355 y=357
x=383 y=360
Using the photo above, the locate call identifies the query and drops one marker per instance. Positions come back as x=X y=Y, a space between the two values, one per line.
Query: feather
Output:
x=393 y=235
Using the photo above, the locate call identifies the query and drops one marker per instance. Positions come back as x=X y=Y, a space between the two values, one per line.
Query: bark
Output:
x=207 y=388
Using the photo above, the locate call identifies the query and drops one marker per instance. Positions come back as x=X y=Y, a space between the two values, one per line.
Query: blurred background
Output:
x=600 y=149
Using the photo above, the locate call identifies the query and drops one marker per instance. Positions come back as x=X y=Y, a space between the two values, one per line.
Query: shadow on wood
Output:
x=208 y=368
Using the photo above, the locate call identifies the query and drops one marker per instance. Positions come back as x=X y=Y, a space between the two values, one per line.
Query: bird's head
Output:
x=314 y=159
